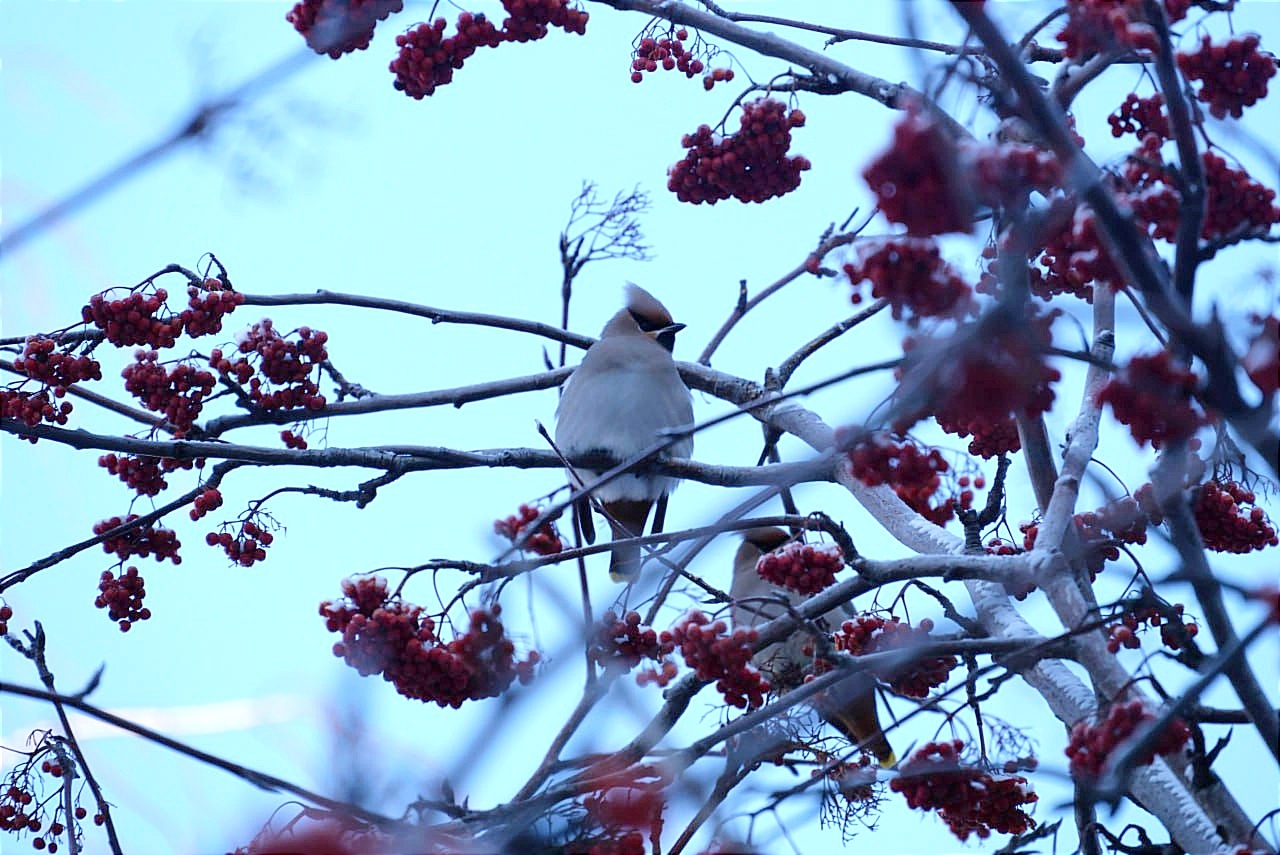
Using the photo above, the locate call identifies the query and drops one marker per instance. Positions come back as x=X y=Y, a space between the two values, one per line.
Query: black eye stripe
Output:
x=647 y=324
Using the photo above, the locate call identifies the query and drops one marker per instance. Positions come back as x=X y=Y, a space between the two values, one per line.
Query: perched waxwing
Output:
x=620 y=401
x=849 y=707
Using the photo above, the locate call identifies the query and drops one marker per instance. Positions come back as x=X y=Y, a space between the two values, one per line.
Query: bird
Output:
x=623 y=397
x=850 y=706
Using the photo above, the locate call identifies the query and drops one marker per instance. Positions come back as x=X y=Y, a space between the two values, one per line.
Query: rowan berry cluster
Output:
x=1073 y=259
x=1232 y=75
x=914 y=474
x=996 y=546
x=32 y=408
x=1095 y=26
x=393 y=638
x=1225 y=524
x=620 y=644
x=1091 y=745
x=145 y=474
x=1003 y=175
x=16 y=810
x=6 y=615
x=178 y=393
x=990 y=439
x=873 y=634
x=968 y=799
x=1153 y=396
x=335 y=27
x=1236 y=205
x=293 y=440
x=286 y=366
x=428 y=58
x=1262 y=360
x=132 y=319
x=632 y=800
x=545 y=541
x=209 y=500
x=912 y=276
x=915 y=179
x=667 y=53
x=717 y=75
x=1140 y=116
x=1003 y=374
x=44 y=363
x=1175 y=632
x=802 y=568
x=715 y=654
x=122 y=597
x=751 y=165
x=246 y=547
x=142 y=541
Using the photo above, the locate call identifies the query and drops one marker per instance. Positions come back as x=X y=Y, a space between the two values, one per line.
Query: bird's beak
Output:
x=667 y=336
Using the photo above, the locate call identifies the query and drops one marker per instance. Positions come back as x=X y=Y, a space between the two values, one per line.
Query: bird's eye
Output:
x=646 y=323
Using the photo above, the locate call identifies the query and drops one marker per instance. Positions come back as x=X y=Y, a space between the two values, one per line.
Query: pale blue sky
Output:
x=336 y=181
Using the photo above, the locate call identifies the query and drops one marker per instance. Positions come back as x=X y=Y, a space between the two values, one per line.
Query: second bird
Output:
x=622 y=399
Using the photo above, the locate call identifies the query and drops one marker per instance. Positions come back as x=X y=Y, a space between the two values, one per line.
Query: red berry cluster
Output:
x=528 y=20
x=335 y=27
x=911 y=274
x=392 y=637
x=1236 y=205
x=33 y=408
x=178 y=393
x=666 y=53
x=1091 y=745
x=6 y=614
x=545 y=541
x=293 y=440
x=285 y=366
x=247 y=547
x=916 y=181
x=428 y=59
x=627 y=801
x=44 y=363
x=717 y=75
x=914 y=474
x=1073 y=259
x=621 y=644
x=802 y=568
x=1233 y=75
x=210 y=499
x=1003 y=175
x=1225 y=524
x=122 y=597
x=990 y=439
x=1153 y=396
x=15 y=802
x=142 y=541
x=1262 y=360
x=999 y=376
x=1095 y=26
x=873 y=634
x=715 y=655
x=751 y=165
x=145 y=474
x=996 y=546
x=969 y=800
x=132 y=320
x=207 y=304
x=1140 y=116
x=1174 y=631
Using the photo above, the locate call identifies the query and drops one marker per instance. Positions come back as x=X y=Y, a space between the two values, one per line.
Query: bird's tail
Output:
x=627 y=519
x=856 y=718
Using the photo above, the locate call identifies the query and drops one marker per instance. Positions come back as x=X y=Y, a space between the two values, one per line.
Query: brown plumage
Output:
x=849 y=706
x=620 y=400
